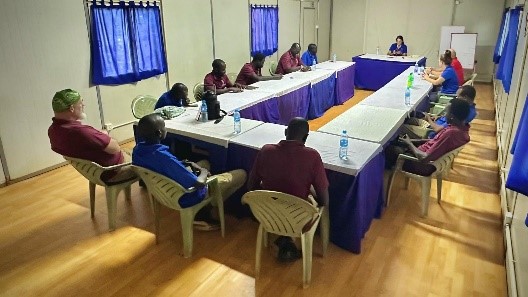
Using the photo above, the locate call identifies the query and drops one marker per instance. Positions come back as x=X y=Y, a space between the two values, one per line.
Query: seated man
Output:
x=177 y=96
x=291 y=168
x=453 y=136
x=309 y=57
x=290 y=62
x=218 y=80
x=428 y=127
x=153 y=155
x=252 y=72
x=70 y=138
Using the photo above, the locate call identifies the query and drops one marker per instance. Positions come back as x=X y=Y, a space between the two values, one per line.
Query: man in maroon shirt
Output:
x=453 y=136
x=292 y=168
x=290 y=61
x=252 y=72
x=69 y=137
x=218 y=80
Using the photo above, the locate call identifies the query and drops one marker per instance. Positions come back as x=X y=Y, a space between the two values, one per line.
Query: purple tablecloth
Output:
x=354 y=201
x=345 y=85
x=322 y=97
x=374 y=74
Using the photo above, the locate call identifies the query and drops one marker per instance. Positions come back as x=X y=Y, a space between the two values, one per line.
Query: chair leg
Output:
x=258 y=254
x=156 y=207
x=391 y=182
x=187 y=217
x=128 y=193
x=324 y=224
x=426 y=190
x=307 y=243
x=111 y=202
x=220 y=205
x=91 y=186
x=439 y=188
x=265 y=238
x=407 y=182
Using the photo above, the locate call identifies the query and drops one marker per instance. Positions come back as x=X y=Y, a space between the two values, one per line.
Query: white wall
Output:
x=359 y=26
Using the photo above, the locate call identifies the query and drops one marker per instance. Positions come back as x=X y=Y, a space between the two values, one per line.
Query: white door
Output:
x=308 y=24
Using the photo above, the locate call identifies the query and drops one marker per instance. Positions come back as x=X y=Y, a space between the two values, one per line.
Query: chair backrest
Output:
x=143 y=105
x=273 y=67
x=165 y=190
x=232 y=77
x=281 y=213
x=90 y=170
x=471 y=81
x=198 y=91
x=443 y=164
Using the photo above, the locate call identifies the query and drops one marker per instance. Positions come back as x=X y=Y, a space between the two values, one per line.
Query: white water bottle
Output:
x=313 y=63
x=236 y=119
x=203 y=112
x=334 y=58
x=416 y=68
x=343 y=146
x=408 y=97
x=377 y=50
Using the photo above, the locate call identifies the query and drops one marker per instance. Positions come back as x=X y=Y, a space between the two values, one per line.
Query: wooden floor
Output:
x=49 y=246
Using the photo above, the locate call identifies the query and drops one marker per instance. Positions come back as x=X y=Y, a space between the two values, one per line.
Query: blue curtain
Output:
x=507 y=59
x=518 y=175
x=126 y=42
x=498 y=46
x=264 y=29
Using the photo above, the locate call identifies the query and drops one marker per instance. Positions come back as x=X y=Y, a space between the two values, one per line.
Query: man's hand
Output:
x=234 y=90
x=406 y=139
x=240 y=86
x=305 y=68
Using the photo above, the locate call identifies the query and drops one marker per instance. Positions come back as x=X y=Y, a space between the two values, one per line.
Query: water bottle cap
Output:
x=344 y=131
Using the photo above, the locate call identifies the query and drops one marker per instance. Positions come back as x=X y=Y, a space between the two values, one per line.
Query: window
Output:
x=126 y=42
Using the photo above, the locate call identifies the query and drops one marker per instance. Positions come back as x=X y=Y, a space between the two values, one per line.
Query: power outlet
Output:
x=108 y=127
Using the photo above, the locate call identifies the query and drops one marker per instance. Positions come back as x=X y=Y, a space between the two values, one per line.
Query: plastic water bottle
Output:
x=334 y=58
x=377 y=50
x=408 y=97
x=203 y=112
x=416 y=68
x=236 y=119
x=343 y=146
x=313 y=64
x=410 y=80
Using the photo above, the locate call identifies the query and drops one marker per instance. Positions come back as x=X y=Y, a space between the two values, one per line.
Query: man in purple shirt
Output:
x=453 y=136
x=290 y=61
x=218 y=80
x=252 y=72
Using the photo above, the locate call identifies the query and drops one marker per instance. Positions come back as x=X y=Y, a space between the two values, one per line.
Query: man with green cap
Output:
x=69 y=137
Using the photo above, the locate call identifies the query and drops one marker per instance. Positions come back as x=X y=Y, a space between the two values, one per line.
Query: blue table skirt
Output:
x=374 y=74
x=354 y=201
x=344 y=86
x=322 y=97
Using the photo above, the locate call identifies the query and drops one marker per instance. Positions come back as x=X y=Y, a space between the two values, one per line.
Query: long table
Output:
x=298 y=94
x=356 y=185
x=375 y=71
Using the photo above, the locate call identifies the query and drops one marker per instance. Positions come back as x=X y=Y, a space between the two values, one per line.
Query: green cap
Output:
x=64 y=99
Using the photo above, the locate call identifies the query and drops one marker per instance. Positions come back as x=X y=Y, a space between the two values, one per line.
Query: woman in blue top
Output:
x=399 y=48
x=448 y=79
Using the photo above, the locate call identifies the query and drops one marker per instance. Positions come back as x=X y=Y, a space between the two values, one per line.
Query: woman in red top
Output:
x=456 y=66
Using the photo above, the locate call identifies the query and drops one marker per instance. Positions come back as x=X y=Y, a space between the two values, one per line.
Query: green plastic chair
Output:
x=167 y=192
x=143 y=105
x=198 y=91
x=232 y=77
x=92 y=172
x=273 y=67
x=442 y=165
x=288 y=215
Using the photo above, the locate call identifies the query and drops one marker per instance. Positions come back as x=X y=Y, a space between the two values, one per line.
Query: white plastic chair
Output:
x=198 y=91
x=273 y=67
x=168 y=192
x=442 y=165
x=92 y=172
x=288 y=215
